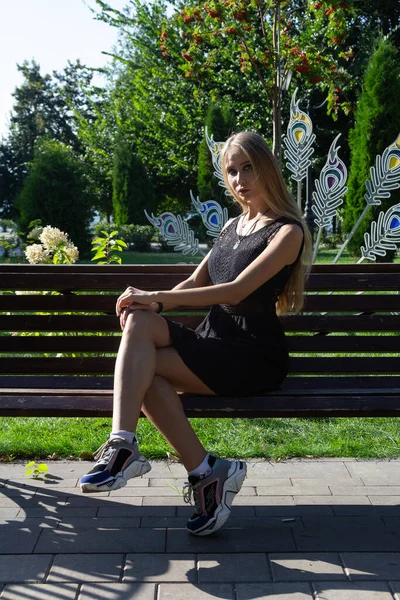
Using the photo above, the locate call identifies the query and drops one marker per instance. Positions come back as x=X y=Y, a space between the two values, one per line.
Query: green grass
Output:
x=274 y=439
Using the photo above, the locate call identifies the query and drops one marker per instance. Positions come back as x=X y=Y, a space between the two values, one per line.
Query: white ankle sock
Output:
x=128 y=436
x=203 y=469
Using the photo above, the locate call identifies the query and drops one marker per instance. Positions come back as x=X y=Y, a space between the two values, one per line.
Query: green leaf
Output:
x=43 y=468
x=30 y=464
x=121 y=243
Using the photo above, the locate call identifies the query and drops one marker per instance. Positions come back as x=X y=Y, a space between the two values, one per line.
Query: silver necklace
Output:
x=241 y=236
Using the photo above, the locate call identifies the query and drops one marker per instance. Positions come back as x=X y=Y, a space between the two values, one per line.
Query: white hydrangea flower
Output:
x=72 y=252
x=36 y=254
x=52 y=238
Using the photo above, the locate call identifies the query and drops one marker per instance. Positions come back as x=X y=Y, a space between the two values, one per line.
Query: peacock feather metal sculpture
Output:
x=330 y=188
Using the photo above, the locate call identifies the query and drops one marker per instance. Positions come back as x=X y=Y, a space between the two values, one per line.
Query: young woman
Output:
x=255 y=270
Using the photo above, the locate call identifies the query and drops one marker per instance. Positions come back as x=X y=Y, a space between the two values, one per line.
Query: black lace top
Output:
x=239 y=349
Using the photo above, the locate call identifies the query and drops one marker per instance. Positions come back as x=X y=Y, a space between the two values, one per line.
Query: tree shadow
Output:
x=119 y=547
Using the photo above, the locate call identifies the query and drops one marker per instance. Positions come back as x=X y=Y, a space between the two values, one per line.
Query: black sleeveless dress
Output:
x=239 y=350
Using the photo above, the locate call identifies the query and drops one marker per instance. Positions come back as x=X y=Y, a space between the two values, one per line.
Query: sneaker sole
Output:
x=232 y=485
x=135 y=469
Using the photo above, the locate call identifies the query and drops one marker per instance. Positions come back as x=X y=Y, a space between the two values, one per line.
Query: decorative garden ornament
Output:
x=177 y=233
x=215 y=149
x=212 y=214
x=385 y=234
x=329 y=191
x=385 y=177
x=298 y=143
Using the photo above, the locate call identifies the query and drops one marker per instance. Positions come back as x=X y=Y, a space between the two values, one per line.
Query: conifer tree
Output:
x=376 y=126
x=219 y=123
x=132 y=187
x=56 y=191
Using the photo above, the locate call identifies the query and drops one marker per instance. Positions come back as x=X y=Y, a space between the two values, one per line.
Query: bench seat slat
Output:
x=305 y=323
x=83 y=343
x=106 y=365
x=271 y=406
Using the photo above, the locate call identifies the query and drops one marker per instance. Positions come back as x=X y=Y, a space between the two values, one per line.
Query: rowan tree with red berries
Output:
x=266 y=40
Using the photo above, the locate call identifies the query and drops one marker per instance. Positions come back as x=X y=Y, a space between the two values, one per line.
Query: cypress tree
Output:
x=377 y=124
x=57 y=192
x=132 y=188
x=219 y=123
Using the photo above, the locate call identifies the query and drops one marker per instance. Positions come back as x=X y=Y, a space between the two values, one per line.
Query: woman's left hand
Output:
x=133 y=296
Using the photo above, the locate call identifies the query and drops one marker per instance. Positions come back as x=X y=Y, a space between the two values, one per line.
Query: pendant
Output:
x=236 y=245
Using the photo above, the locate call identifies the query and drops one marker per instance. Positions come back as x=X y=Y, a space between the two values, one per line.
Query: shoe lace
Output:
x=103 y=453
x=190 y=495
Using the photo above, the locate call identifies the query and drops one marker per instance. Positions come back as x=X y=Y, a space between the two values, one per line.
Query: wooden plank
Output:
x=367 y=268
x=164 y=280
x=209 y=406
x=306 y=323
x=108 y=343
x=296 y=385
x=100 y=365
x=106 y=303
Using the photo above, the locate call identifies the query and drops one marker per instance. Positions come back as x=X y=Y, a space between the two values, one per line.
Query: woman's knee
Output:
x=140 y=323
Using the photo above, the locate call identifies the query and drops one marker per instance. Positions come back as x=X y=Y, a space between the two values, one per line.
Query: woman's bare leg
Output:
x=144 y=364
x=163 y=407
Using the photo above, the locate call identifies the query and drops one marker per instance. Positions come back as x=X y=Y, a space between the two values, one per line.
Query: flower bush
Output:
x=55 y=247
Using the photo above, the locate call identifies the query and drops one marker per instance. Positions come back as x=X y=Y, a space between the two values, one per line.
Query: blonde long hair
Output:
x=277 y=198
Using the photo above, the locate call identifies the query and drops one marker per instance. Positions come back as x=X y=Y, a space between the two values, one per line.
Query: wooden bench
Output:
x=57 y=351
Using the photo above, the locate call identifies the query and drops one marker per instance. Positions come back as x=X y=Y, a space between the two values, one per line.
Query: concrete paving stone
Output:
x=368 y=511
x=59 y=512
x=119 y=591
x=346 y=521
x=19 y=539
x=103 y=541
x=332 y=500
x=174 y=500
x=160 y=567
x=236 y=511
x=86 y=568
x=12 y=502
x=9 y=513
x=261 y=500
x=74 y=492
x=99 y=523
x=372 y=565
x=279 y=539
x=224 y=568
x=16 y=492
x=40 y=592
x=307 y=567
x=248 y=482
x=391 y=522
x=175 y=522
x=43 y=523
x=136 y=482
x=145 y=491
x=26 y=568
x=273 y=591
x=345 y=539
x=47 y=483
x=299 y=470
x=382 y=480
x=293 y=511
x=386 y=500
x=40 y=502
x=190 y=591
x=162 y=469
x=377 y=490
x=102 y=501
x=252 y=522
x=308 y=488
x=137 y=511
x=395 y=587
x=374 y=468
x=345 y=481
x=359 y=590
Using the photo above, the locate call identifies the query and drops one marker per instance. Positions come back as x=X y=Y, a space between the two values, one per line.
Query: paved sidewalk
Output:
x=299 y=530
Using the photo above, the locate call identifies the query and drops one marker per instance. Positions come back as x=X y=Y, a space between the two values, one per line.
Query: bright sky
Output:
x=51 y=32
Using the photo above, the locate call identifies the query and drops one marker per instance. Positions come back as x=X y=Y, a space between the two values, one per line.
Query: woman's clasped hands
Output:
x=134 y=299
